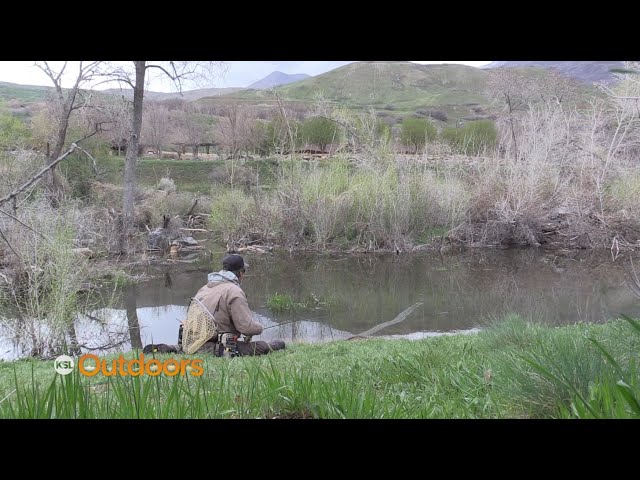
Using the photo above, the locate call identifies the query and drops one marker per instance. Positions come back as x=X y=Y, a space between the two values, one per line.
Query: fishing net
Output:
x=197 y=328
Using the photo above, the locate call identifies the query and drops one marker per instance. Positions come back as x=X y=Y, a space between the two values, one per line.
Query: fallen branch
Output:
x=194 y=230
x=398 y=319
x=192 y=208
x=39 y=175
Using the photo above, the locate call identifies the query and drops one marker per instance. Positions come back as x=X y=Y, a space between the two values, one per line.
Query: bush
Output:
x=234 y=176
x=166 y=184
x=473 y=138
x=416 y=132
x=320 y=131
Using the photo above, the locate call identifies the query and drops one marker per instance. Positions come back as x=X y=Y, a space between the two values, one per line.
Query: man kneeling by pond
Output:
x=219 y=314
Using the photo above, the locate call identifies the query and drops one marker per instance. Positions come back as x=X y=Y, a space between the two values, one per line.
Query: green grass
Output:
x=511 y=370
x=188 y=175
x=279 y=302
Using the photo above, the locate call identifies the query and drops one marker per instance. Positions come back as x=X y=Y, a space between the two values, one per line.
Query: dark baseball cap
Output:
x=233 y=262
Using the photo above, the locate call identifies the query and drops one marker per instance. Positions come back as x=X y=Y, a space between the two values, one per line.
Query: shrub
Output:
x=166 y=184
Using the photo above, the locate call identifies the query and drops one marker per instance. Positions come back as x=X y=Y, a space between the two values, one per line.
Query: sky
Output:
x=239 y=74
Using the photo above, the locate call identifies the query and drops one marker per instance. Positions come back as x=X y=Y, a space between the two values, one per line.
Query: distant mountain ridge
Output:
x=275 y=79
x=585 y=71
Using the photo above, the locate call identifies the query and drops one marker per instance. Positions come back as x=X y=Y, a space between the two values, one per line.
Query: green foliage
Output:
x=415 y=133
x=279 y=302
x=230 y=215
x=13 y=131
x=473 y=138
x=320 y=131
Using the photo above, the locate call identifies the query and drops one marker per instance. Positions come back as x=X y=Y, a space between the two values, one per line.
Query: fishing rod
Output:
x=295 y=321
x=280 y=324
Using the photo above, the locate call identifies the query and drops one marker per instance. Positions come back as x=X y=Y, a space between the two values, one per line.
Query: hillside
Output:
x=37 y=93
x=23 y=93
x=276 y=79
x=189 y=95
x=587 y=72
x=394 y=89
x=400 y=85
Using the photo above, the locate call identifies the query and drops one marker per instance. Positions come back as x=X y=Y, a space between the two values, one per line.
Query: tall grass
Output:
x=42 y=300
x=510 y=370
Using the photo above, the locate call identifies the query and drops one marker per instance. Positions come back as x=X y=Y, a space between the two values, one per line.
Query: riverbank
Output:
x=512 y=369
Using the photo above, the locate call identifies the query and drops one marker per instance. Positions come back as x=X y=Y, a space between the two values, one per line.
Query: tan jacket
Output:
x=227 y=302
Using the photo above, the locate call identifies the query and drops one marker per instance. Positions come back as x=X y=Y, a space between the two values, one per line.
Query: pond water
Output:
x=338 y=296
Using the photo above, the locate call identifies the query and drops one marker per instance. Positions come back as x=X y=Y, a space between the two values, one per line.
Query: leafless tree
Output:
x=117 y=117
x=513 y=90
x=65 y=102
x=155 y=126
x=178 y=72
x=193 y=128
x=236 y=129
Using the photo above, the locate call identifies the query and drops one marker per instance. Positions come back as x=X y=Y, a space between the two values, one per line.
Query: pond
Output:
x=331 y=297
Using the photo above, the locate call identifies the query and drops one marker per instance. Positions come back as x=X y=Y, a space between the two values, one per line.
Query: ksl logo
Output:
x=63 y=365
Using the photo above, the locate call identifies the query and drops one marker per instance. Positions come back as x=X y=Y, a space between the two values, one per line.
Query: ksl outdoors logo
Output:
x=91 y=365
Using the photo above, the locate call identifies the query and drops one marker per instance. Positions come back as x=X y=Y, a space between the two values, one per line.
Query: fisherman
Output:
x=223 y=298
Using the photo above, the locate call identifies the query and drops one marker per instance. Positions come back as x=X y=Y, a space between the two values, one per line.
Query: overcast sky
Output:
x=239 y=74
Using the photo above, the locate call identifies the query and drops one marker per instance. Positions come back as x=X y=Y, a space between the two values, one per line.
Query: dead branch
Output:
x=93 y=160
x=10 y=246
x=26 y=226
x=192 y=208
x=402 y=316
x=40 y=174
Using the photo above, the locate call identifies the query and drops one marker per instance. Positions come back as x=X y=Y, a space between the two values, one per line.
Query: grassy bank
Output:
x=510 y=370
x=196 y=176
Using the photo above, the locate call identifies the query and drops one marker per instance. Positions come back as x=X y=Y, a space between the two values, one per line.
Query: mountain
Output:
x=276 y=79
x=587 y=72
x=399 y=88
x=189 y=95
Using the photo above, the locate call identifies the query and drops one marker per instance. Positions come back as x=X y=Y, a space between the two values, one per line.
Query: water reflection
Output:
x=343 y=295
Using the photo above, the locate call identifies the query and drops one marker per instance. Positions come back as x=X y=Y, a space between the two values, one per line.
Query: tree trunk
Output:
x=51 y=178
x=207 y=149
x=129 y=190
x=132 y=318
x=195 y=151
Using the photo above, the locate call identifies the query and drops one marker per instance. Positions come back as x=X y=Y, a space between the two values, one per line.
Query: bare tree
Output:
x=193 y=128
x=155 y=126
x=178 y=72
x=64 y=104
x=236 y=129
x=513 y=90
x=117 y=113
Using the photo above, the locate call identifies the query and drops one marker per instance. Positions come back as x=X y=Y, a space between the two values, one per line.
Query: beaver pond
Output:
x=338 y=296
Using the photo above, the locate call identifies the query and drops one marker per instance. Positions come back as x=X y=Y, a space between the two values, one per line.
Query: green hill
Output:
x=404 y=86
x=397 y=88
x=23 y=93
